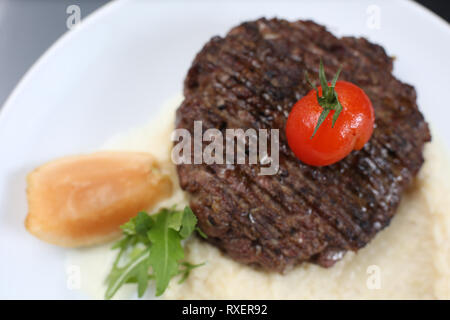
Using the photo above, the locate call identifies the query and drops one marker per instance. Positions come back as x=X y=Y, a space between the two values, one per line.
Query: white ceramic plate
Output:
x=113 y=72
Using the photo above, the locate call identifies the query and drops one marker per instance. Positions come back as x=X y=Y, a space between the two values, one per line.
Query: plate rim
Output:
x=105 y=9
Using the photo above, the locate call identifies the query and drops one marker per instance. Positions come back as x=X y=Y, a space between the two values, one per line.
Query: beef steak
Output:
x=251 y=78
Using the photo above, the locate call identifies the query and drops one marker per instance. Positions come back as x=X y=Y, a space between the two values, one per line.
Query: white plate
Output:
x=114 y=71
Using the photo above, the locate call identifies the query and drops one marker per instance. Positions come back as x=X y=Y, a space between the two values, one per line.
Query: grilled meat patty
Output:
x=251 y=78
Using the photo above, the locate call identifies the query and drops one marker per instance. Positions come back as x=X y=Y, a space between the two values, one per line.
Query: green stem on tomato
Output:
x=329 y=99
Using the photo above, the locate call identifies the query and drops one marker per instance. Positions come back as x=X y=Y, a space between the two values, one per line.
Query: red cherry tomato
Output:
x=352 y=129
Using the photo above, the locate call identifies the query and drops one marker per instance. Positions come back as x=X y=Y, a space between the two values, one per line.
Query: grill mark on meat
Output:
x=346 y=212
x=242 y=172
x=335 y=223
x=266 y=224
x=322 y=214
x=244 y=82
x=317 y=210
x=277 y=194
x=251 y=79
x=217 y=177
x=326 y=217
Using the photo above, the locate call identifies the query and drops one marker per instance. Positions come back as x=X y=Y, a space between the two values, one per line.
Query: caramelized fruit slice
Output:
x=82 y=200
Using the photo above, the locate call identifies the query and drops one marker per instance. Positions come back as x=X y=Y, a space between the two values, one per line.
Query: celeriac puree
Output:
x=410 y=259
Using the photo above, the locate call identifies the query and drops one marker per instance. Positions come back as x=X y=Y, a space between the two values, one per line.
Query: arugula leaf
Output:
x=201 y=233
x=187 y=270
x=129 y=228
x=143 y=223
x=188 y=223
x=152 y=243
x=142 y=276
x=175 y=220
x=165 y=253
x=119 y=276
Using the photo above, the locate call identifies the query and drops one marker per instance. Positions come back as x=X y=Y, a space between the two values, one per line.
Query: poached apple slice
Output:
x=82 y=200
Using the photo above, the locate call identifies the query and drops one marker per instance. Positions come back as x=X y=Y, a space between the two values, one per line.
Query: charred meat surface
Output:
x=251 y=78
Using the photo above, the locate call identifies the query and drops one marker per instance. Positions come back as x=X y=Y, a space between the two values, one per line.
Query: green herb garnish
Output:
x=152 y=243
x=329 y=99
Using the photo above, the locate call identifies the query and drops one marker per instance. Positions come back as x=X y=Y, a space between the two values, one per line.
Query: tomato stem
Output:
x=329 y=99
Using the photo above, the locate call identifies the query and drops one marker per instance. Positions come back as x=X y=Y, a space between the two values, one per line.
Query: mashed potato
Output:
x=410 y=259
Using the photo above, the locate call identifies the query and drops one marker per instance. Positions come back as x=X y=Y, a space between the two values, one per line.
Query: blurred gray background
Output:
x=29 y=27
